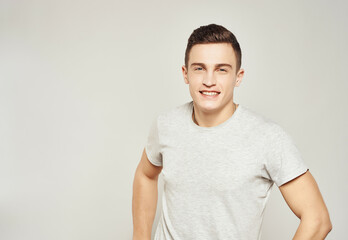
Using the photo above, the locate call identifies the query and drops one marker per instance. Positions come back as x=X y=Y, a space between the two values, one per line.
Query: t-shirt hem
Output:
x=292 y=176
x=151 y=159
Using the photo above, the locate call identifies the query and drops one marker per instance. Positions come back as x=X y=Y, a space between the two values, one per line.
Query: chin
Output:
x=209 y=105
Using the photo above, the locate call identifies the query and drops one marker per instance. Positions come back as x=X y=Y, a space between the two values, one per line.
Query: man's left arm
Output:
x=303 y=196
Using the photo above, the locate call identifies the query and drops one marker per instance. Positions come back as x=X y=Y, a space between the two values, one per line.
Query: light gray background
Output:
x=82 y=80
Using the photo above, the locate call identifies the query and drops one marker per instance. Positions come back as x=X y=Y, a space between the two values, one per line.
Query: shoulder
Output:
x=173 y=116
x=271 y=135
x=259 y=123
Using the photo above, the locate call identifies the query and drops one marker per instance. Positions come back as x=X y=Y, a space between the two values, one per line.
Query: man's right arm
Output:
x=144 y=201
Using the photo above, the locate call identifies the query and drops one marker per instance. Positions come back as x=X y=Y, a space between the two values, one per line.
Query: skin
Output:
x=208 y=75
x=144 y=199
x=303 y=197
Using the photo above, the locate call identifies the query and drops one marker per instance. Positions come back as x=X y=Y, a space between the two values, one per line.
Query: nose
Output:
x=209 y=79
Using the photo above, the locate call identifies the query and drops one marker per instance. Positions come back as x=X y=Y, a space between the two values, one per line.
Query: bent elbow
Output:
x=327 y=226
x=321 y=223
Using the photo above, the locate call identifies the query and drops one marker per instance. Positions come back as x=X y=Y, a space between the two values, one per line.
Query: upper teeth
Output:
x=210 y=93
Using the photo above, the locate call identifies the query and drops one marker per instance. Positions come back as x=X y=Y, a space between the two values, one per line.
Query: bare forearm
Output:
x=144 y=205
x=312 y=230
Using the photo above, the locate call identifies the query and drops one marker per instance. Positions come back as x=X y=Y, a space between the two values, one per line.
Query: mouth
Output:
x=209 y=94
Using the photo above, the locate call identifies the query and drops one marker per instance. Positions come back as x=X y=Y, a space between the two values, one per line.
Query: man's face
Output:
x=212 y=67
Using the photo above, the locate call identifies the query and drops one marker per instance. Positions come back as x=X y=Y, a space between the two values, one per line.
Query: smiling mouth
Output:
x=209 y=93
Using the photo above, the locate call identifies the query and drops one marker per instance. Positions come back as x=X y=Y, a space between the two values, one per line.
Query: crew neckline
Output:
x=221 y=125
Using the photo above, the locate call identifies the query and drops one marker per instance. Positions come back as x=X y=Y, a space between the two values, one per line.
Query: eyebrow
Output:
x=216 y=65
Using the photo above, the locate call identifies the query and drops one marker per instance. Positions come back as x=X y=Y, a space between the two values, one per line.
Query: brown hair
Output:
x=213 y=33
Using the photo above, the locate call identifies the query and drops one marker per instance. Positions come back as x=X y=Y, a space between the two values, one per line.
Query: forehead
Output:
x=211 y=53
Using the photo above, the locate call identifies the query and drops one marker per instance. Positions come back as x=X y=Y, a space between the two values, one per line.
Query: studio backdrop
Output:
x=81 y=81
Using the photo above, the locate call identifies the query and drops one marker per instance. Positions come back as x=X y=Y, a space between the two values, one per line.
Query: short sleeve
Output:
x=283 y=160
x=152 y=147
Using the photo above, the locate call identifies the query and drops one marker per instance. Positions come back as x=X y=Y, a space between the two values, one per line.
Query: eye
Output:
x=223 y=70
x=198 y=68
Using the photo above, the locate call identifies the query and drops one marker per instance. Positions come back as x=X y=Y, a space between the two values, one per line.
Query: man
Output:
x=219 y=159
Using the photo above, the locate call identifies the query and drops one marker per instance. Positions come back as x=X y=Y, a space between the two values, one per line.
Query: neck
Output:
x=211 y=119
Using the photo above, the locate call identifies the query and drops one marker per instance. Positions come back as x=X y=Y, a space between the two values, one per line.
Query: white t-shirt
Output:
x=217 y=180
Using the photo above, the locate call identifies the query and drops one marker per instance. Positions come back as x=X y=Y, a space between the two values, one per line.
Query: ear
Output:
x=240 y=76
x=184 y=73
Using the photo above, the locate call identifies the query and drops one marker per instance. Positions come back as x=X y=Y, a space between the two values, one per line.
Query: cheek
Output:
x=195 y=76
x=194 y=88
x=195 y=83
x=227 y=83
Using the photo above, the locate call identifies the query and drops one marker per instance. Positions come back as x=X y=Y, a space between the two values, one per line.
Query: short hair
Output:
x=213 y=33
